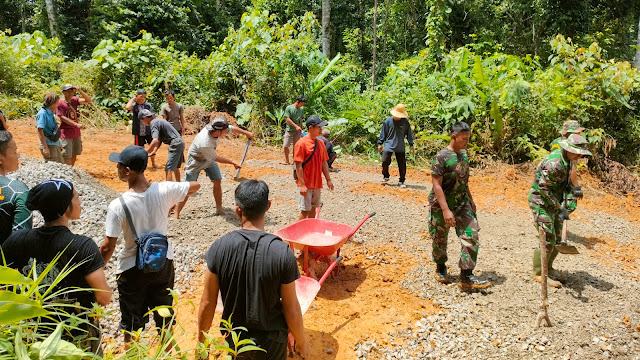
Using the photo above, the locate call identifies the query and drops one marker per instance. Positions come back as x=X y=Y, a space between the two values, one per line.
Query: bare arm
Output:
x=129 y=106
x=86 y=99
x=246 y=133
x=43 y=142
x=108 y=247
x=208 y=303
x=222 y=160
x=301 y=184
x=98 y=281
x=293 y=316
x=325 y=171
x=153 y=147
x=68 y=121
x=3 y=120
x=194 y=186
x=436 y=181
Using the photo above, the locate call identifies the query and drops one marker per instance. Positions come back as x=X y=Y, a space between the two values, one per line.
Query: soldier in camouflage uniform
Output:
x=14 y=214
x=550 y=187
x=575 y=191
x=452 y=206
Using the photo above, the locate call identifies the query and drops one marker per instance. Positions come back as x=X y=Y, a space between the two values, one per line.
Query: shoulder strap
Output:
x=315 y=145
x=128 y=215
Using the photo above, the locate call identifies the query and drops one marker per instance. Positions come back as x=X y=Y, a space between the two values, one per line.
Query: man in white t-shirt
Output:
x=148 y=204
x=202 y=155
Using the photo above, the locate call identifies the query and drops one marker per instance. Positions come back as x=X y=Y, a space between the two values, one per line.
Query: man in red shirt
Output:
x=70 y=126
x=310 y=156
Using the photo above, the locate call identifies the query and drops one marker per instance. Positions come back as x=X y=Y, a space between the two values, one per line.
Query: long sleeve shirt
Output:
x=393 y=133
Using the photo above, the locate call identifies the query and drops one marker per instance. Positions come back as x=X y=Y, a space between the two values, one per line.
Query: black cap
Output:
x=218 y=123
x=145 y=113
x=134 y=157
x=314 y=120
x=301 y=98
x=141 y=91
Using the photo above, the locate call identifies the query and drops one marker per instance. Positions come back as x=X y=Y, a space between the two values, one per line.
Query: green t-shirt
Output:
x=14 y=214
x=454 y=169
x=295 y=114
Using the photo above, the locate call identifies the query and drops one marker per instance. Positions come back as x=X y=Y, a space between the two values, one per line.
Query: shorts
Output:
x=141 y=292
x=55 y=154
x=305 y=203
x=176 y=155
x=213 y=173
x=291 y=138
x=274 y=344
x=141 y=140
x=71 y=147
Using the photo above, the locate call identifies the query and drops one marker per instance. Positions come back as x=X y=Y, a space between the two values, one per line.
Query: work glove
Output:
x=577 y=192
x=563 y=215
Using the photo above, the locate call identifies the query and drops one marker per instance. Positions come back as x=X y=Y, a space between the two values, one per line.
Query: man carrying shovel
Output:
x=202 y=155
x=550 y=187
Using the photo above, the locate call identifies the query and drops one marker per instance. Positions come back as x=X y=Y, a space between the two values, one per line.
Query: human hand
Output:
x=564 y=214
x=78 y=89
x=237 y=166
x=298 y=128
x=379 y=148
x=250 y=136
x=303 y=349
x=80 y=126
x=46 y=152
x=449 y=219
x=330 y=185
x=303 y=190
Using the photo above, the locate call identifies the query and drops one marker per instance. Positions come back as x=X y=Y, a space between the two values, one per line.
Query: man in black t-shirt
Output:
x=141 y=133
x=163 y=132
x=254 y=270
x=59 y=203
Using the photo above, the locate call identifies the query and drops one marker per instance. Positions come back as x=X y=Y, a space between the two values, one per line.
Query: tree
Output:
x=326 y=28
x=375 y=36
x=636 y=61
x=51 y=15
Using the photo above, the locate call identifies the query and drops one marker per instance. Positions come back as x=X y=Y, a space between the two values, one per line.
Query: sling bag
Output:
x=295 y=173
x=151 y=255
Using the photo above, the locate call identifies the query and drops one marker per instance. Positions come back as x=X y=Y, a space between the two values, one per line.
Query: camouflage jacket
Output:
x=454 y=169
x=555 y=144
x=551 y=181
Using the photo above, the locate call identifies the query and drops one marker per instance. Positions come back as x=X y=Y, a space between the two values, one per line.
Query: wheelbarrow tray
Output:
x=320 y=236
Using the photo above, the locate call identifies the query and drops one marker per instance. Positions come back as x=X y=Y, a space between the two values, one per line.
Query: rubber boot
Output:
x=553 y=273
x=441 y=274
x=468 y=281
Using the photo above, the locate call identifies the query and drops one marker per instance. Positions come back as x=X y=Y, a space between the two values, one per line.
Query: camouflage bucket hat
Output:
x=571 y=127
x=575 y=144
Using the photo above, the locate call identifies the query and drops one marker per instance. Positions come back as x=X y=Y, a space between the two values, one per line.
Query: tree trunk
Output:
x=375 y=36
x=326 y=28
x=636 y=61
x=51 y=14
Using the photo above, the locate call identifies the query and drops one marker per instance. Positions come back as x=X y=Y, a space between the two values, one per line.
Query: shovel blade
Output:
x=567 y=249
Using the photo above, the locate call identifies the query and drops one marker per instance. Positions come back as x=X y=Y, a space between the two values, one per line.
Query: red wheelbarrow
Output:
x=320 y=237
x=306 y=289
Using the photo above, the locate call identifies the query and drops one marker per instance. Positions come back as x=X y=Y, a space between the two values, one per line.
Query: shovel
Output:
x=563 y=248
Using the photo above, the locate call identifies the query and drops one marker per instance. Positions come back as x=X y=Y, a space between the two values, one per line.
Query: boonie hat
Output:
x=399 y=111
x=314 y=120
x=575 y=144
x=571 y=127
x=134 y=157
x=145 y=113
x=66 y=87
x=219 y=123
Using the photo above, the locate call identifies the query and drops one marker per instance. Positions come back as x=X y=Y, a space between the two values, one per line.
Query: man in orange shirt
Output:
x=310 y=156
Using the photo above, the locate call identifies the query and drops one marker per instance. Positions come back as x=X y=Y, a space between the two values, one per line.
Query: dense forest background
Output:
x=514 y=69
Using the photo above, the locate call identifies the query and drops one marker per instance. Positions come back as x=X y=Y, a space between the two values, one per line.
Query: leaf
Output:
x=50 y=344
x=164 y=312
x=65 y=351
x=12 y=276
x=250 y=348
x=498 y=126
x=478 y=73
x=21 y=348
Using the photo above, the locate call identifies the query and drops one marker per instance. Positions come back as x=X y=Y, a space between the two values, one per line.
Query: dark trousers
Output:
x=274 y=343
x=402 y=164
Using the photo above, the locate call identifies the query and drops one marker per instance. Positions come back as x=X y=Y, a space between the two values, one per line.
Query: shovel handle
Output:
x=246 y=148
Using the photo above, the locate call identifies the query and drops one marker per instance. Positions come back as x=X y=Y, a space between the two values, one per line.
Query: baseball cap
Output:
x=134 y=157
x=145 y=113
x=314 y=120
x=575 y=144
x=66 y=87
x=141 y=91
x=301 y=98
x=218 y=123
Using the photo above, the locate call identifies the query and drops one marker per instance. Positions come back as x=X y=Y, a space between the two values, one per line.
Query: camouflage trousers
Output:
x=547 y=220
x=467 y=230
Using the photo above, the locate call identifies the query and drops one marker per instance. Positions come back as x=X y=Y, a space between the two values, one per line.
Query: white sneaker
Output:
x=402 y=185
x=384 y=180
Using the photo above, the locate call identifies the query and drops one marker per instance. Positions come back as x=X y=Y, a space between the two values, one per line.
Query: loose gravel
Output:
x=591 y=313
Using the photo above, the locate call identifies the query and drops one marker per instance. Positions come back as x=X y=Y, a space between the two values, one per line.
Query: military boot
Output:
x=441 y=274
x=537 y=269
x=468 y=281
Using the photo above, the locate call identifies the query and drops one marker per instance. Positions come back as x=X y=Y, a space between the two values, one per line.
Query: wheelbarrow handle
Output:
x=329 y=269
x=372 y=213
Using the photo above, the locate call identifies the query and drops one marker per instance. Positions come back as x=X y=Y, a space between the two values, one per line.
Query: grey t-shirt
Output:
x=161 y=129
x=172 y=114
